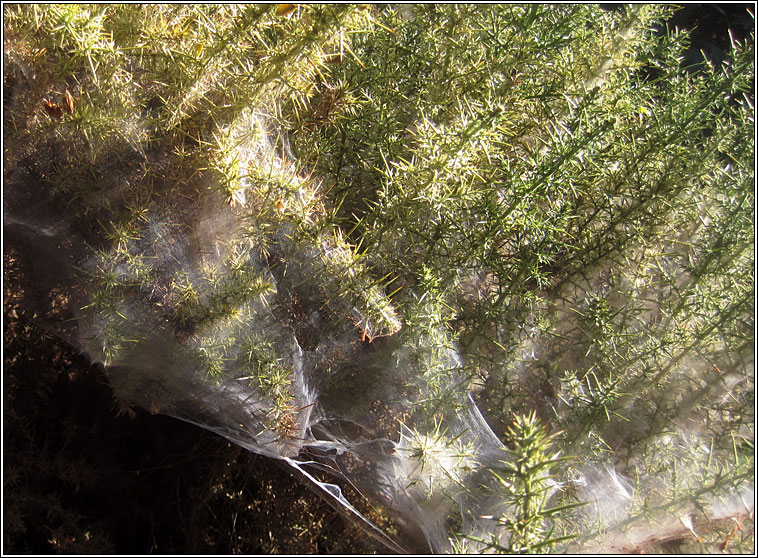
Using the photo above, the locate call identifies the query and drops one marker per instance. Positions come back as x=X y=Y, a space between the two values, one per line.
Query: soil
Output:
x=81 y=476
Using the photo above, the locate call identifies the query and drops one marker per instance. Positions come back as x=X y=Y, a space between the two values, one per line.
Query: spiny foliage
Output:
x=545 y=185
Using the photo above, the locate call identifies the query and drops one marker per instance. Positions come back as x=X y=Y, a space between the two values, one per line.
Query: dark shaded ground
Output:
x=81 y=479
x=710 y=25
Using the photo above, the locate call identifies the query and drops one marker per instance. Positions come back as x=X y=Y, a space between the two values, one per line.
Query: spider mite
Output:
x=53 y=110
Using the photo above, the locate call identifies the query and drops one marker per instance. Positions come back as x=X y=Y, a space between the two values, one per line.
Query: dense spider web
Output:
x=274 y=336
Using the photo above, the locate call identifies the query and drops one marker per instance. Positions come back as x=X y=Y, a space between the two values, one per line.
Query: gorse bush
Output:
x=574 y=207
x=526 y=487
x=335 y=233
